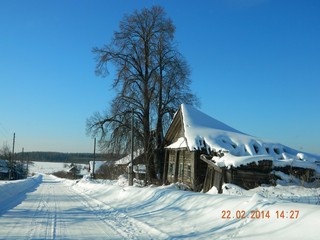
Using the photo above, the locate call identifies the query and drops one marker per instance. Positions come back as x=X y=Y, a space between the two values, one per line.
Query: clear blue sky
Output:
x=255 y=66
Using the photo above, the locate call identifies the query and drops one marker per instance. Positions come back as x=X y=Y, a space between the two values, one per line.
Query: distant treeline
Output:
x=64 y=157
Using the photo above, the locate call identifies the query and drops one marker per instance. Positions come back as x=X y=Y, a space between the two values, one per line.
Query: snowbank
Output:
x=13 y=192
x=189 y=215
x=172 y=212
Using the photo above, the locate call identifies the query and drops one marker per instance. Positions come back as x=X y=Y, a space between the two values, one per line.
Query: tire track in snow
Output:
x=60 y=222
x=106 y=225
x=132 y=227
x=45 y=215
x=57 y=211
x=53 y=211
x=61 y=228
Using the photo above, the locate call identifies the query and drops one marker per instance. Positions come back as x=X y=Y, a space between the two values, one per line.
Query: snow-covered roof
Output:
x=204 y=132
x=127 y=159
x=97 y=165
x=180 y=143
x=139 y=168
x=4 y=166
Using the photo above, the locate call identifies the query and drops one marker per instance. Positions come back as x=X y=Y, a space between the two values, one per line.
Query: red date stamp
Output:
x=260 y=214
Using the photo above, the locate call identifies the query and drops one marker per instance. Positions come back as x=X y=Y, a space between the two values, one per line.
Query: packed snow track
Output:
x=47 y=207
x=50 y=209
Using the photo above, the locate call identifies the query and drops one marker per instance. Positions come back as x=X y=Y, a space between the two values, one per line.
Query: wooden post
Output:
x=131 y=162
x=27 y=165
x=22 y=164
x=221 y=181
x=165 y=167
x=94 y=159
x=12 y=158
x=176 y=167
x=22 y=157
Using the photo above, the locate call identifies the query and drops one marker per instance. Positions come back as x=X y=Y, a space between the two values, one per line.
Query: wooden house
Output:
x=203 y=152
x=4 y=169
x=139 y=166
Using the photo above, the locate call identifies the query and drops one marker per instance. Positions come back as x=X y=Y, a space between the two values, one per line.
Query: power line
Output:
x=4 y=131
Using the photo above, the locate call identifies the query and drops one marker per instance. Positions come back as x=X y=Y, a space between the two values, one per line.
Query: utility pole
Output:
x=24 y=170
x=131 y=163
x=94 y=159
x=22 y=156
x=12 y=157
x=27 y=165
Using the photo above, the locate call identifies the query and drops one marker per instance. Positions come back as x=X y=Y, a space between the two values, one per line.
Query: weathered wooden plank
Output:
x=209 y=162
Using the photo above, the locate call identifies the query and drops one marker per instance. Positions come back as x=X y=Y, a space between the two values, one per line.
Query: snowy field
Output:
x=50 y=167
x=46 y=207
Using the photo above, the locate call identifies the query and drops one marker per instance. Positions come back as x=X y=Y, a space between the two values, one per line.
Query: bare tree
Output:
x=152 y=78
x=5 y=152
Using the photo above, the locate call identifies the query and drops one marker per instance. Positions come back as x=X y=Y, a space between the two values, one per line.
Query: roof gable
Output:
x=176 y=129
x=197 y=119
x=203 y=131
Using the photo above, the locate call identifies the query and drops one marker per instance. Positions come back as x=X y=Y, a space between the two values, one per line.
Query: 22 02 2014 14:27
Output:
x=260 y=214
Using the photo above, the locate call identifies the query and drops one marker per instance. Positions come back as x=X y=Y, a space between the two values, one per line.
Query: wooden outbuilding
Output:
x=203 y=152
x=139 y=166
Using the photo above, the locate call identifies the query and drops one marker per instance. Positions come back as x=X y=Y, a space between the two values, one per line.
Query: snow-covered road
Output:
x=52 y=210
x=47 y=207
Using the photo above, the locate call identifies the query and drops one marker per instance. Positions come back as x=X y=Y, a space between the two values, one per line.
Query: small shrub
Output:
x=64 y=174
x=110 y=171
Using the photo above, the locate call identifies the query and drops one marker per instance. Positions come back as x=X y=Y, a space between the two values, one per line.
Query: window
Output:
x=181 y=172
x=189 y=171
x=171 y=169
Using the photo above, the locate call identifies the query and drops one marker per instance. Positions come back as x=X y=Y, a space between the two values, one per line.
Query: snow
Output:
x=97 y=165
x=180 y=143
x=139 y=168
x=51 y=167
x=202 y=131
x=47 y=167
x=47 y=207
x=13 y=191
x=127 y=159
x=4 y=166
x=230 y=160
